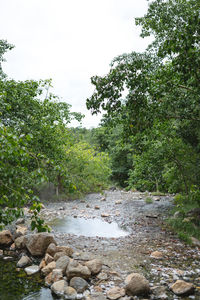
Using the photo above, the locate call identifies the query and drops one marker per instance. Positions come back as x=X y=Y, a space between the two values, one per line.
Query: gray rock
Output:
x=38 y=243
x=79 y=284
x=75 y=269
x=32 y=270
x=95 y=266
x=51 y=249
x=62 y=263
x=58 y=255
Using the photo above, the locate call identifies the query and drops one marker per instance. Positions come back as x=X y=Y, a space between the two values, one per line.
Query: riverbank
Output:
x=133 y=253
x=147 y=248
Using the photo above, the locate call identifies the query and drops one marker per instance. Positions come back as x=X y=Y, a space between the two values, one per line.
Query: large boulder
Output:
x=38 y=243
x=137 y=285
x=75 y=269
x=95 y=266
x=6 y=238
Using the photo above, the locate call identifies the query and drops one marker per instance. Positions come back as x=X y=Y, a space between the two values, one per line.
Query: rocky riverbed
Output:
x=142 y=250
x=149 y=249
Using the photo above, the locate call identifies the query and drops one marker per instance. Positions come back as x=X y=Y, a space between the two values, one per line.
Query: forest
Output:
x=149 y=136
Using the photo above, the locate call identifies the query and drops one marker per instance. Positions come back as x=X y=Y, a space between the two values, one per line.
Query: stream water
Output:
x=16 y=285
x=88 y=227
x=81 y=226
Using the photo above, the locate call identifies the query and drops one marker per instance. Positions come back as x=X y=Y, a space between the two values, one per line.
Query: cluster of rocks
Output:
x=69 y=277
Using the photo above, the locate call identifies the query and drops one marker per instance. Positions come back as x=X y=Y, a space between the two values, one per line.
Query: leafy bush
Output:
x=88 y=170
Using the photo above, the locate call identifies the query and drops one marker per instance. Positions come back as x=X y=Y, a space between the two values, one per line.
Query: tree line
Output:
x=38 y=147
x=153 y=133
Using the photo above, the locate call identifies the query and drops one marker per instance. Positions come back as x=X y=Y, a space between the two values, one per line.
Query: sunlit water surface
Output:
x=88 y=227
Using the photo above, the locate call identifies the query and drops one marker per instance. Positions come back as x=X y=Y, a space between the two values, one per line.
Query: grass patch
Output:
x=157 y=194
x=185 y=228
x=185 y=224
x=148 y=200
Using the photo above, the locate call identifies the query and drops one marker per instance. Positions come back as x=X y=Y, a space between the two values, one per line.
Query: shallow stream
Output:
x=88 y=227
x=16 y=285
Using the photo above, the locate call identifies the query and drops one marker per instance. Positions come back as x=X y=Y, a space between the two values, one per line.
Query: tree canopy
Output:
x=38 y=147
x=161 y=112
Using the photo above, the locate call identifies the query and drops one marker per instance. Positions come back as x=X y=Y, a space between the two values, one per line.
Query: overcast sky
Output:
x=69 y=41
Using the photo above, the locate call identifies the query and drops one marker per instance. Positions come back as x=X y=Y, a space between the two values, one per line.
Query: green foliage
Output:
x=185 y=229
x=36 y=221
x=37 y=147
x=187 y=221
x=88 y=169
x=14 y=175
x=160 y=115
x=4 y=47
x=157 y=194
x=148 y=200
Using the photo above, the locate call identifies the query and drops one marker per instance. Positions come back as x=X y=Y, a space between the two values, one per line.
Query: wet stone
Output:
x=32 y=270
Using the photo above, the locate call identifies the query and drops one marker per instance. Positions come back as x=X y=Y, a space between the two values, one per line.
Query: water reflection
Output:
x=43 y=294
x=16 y=285
x=88 y=227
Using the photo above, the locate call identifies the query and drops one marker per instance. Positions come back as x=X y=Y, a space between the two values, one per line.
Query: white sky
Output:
x=69 y=41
